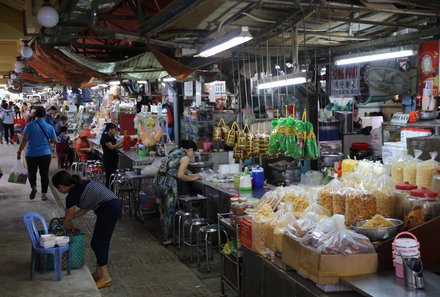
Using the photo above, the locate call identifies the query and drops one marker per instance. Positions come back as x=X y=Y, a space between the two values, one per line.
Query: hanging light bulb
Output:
x=26 y=51
x=47 y=15
x=13 y=75
x=19 y=65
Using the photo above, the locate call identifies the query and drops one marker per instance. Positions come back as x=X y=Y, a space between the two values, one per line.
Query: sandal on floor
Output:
x=101 y=285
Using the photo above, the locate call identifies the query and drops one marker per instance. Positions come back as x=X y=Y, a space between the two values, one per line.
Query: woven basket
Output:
x=77 y=250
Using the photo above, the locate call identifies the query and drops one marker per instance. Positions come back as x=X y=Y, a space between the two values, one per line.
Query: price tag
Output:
x=400 y=118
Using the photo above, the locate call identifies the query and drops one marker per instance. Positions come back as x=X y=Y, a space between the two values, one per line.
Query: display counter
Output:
x=219 y=194
x=262 y=278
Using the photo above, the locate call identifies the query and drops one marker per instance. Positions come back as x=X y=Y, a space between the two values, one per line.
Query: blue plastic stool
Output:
x=29 y=219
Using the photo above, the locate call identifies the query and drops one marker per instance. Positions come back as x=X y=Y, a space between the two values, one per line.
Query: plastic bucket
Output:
x=408 y=248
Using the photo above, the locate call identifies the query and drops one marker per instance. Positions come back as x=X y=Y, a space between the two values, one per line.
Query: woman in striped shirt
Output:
x=85 y=195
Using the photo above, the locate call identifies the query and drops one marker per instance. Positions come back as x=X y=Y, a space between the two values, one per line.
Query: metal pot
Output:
x=197 y=167
x=428 y=115
x=329 y=160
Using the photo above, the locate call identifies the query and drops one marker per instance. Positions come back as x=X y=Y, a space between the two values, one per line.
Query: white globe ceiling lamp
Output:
x=26 y=51
x=47 y=15
x=19 y=65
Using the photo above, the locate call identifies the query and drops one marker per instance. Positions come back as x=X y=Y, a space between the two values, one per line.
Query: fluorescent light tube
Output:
x=243 y=37
x=142 y=82
x=168 y=79
x=281 y=81
x=114 y=82
x=375 y=57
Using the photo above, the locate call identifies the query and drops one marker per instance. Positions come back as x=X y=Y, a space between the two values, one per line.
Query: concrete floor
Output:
x=139 y=264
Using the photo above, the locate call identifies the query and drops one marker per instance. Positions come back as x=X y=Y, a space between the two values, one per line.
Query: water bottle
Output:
x=159 y=108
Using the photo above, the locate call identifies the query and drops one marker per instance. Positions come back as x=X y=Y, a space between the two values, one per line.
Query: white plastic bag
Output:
x=19 y=174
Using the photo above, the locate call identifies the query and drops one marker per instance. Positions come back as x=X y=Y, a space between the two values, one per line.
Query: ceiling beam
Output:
x=110 y=47
x=367 y=22
x=167 y=16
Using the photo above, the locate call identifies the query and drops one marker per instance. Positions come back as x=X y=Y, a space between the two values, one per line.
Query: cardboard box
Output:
x=328 y=269
x=291 y=251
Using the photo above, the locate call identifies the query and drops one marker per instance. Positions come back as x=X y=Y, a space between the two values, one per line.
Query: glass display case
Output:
x=392 y=133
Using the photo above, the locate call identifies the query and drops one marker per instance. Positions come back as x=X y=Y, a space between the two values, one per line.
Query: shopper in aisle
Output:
x=7 y=120
x=38 y=135
x=50 y=116
x=110 y=148
x=60 y=123
x=172 y=168
x=85 y=195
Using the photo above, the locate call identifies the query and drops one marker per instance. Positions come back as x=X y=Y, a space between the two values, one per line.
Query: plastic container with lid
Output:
x=401 y=195
x=235 y=199
x=425 y=200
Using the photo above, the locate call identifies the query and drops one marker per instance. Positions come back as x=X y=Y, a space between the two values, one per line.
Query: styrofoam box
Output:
x=61 y=240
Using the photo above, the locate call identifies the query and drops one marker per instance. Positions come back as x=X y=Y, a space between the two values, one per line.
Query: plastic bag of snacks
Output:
x=354 y=180
x=291 y=140
x=260 y=218
x=274 y=140
x=280 y=227
x=282 y=137
x=325 y=197
x=397 y=170
x=298 y=196
x=272 y=198
x=339 y=197
x=314 y=207
x=269 y=229
x=383 y=191
x=426 y=170
x=341 y=240
x=359 y=205
x=410 y=168
x=300 y=227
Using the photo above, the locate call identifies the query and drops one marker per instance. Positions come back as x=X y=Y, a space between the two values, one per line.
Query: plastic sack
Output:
x=315 y=208
x=397 y=170
x=18 y=174
x=300 y=227
x=339 y=197
x=383 y=191
x=272 y=198
x=359 y=205
x=341 y=240
x=354 y=180
x=425 y=171
x=298 y=196
x=280 y=227
x=262 y=217
x=325 y=197
x=282 y=138
x=301 y=132
x=269 y=229
x=153 y=169
x=410 y=168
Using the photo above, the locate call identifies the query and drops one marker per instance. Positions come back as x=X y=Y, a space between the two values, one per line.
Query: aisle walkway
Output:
x=139 y=264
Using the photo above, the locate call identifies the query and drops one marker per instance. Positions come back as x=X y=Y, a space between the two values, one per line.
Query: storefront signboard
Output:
x=345 y=80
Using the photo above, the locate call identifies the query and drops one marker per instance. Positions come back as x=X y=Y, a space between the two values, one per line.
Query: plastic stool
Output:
x=181 y=215
x=205 y=232
x=196 y=223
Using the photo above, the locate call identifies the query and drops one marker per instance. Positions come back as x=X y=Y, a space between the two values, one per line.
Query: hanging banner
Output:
x=345 y=80
x=198 y=93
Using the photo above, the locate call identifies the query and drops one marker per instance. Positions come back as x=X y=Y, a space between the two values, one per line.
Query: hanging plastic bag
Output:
x=410 y=168
x=341 y=240
x=310 y=145
x=232 y=135
x=290 y=136
x=18 y=174
x=274 y=139
x=282 y=135
x=425 y=171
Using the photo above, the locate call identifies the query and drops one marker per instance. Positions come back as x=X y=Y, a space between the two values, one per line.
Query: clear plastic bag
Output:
x=339 y=197
x=18 y=174
x=272 y=198
x=314 y=207
x=258 y=238
x=410 y=168
x=341 y=240
x=425 y=171
x=269 y=229
x=302 y=226
x=359 y=205
x=325 y=197
x=397 y=170
x=298 y=196
x=383 y=191
x=280 y=227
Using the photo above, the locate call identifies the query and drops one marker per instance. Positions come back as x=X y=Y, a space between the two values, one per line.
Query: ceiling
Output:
x=111 y=30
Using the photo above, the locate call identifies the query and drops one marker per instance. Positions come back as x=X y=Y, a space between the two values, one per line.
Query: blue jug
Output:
x=258 y=177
